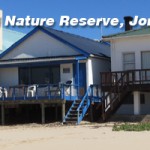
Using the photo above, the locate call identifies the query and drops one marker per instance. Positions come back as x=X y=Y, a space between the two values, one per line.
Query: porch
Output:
x=62 y=96
x=61 y=91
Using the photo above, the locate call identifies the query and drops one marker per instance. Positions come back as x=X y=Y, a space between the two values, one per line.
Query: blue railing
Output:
x=93 y=94
x=40 y=91
x=84 y=105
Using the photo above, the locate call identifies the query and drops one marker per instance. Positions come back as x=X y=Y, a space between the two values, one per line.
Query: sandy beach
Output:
x=55 y=137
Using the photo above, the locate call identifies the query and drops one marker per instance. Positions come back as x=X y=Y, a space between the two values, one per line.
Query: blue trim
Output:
x=81 y=58
x=48 y=33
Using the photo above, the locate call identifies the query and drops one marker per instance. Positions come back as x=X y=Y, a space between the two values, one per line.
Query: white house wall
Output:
x=93 y=68
x=40 y=45
x=125 y=45
x=8 y=76
x=99 y=65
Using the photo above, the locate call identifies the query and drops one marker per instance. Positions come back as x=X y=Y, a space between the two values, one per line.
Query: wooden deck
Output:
x=133 y=80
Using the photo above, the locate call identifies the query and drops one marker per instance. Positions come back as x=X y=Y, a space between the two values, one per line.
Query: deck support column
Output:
x=136 y=95
x=2 y=114
x=43 y=113
x=63 y=111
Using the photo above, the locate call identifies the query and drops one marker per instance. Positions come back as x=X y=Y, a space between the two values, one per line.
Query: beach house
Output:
x=48 y=67
x=7 y=36
x=126 y=88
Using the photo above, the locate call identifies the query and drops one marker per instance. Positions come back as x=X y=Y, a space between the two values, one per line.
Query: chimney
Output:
x=1 y=31
x=127 y=19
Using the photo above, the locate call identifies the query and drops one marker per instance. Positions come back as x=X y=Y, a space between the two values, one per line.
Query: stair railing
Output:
x=82 y=108
x=107 y=105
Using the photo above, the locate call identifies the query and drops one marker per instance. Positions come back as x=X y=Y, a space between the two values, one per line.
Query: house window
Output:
x=66 y=70
x=39 y=75
x=128 y=61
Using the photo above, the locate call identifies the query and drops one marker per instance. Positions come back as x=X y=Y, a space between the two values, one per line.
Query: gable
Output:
x=40 y=44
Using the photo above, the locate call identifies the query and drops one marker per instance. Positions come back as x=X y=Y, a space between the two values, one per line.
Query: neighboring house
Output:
x=8 y=37
x=46 y=58
x=129 y=79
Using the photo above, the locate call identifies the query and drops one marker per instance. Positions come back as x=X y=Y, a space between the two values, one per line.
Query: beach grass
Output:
x=132 y=127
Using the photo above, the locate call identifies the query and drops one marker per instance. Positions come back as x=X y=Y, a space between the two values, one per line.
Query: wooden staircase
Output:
x=113 y=98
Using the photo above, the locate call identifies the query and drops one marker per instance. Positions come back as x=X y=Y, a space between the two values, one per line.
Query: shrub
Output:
x=132 y=127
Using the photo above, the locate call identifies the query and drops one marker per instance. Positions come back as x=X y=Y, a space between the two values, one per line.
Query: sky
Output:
x=78 y=9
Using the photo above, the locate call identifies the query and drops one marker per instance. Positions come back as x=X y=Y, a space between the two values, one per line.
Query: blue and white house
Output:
x=50 y=64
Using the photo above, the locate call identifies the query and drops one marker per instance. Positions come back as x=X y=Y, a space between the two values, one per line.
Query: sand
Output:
x=58 y=137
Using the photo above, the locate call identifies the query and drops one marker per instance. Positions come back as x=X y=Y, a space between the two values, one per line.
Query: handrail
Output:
x=80 y=117
x=88 y=90
x=137 y=76
x=107 y=106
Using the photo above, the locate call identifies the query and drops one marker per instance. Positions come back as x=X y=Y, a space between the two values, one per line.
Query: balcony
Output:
x=133 y=80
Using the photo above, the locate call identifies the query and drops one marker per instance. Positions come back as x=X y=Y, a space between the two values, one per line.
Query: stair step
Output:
x=73 y=115
x=70 y=119
x=71 y=122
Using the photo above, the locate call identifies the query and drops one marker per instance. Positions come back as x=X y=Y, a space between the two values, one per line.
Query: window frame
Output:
x=131 y=62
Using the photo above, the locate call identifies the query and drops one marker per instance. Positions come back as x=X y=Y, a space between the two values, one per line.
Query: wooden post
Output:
x=2 y=114
x=43 y=113
x=56 y=112
x=63 y=111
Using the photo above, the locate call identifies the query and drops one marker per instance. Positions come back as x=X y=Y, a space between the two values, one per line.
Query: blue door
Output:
x=82 y=77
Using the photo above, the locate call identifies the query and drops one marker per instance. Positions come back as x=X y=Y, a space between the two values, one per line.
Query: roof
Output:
x=88 y=45
x=141 y=31
x=10 y=37
x=83 y=45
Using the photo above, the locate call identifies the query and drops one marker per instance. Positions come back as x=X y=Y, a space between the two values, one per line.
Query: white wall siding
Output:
x=99 y=65
x=89 y=72
x=8 y=76
x=66 y=76
x=40 y=45
x=93 y=68
x=125 y=45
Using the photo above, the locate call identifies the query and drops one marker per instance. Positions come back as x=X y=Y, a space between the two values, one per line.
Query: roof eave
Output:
x=120 y=37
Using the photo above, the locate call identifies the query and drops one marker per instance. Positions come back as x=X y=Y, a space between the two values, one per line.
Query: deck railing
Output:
x=140 y=76
x=40 y=91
